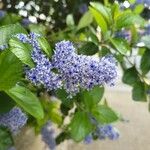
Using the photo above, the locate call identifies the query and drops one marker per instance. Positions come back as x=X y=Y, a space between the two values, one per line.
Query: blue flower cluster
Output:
x=15 y=119
x=88 y=139
x=107 y=131
x=41 y=74
x=80 y=71
x=103 y=132
x=48 y=136
x=74 y=71
x=125 y=34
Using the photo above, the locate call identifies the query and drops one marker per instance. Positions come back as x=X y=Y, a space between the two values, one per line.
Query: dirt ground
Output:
x=135 y=131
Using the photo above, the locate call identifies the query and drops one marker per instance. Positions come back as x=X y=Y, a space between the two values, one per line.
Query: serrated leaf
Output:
x=80 y=126
x=45 y=46
x=145 y=62
x=99 y=19
x=130 y=76
x=85 y=20
x=22 y=51
x=10 y=70
x=92 y=98
x=6 y=140
x=138 y=92
x=27 y=100
x=104 y=114
x=7 y=31
x=120 y=44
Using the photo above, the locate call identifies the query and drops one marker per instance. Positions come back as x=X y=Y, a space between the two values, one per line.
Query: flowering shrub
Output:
x=47 y=78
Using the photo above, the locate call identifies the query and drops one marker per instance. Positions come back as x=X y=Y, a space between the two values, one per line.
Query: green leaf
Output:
x=92 y=97
x=115 y=10
x=130 y=76
x=120 y=44
x=102 y=9
x=104 y=51
x=141 y=51
x=145 y=40
x=138 y=92
x=104 y=114
x=6 y=140
x=85 y=20
x=132 y=1
x=10 y=70
x=99 y=19
x=145 y=62
x=63 y=96
x=138 y=8
x=62 y=137
x=10 y=18
x=6 y=103
x=80 y=126
x=134 y=34
x=88 y=48
x=27 y=100
x=38 y=28
x=45 y=46
x=7 y=31
x=54 y=112
x=127 y=19
x=22 y=51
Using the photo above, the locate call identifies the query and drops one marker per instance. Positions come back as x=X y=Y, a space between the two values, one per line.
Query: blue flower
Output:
x=107 y=131
x=41 y=74
x=80 y=71
x=83 y=8
x=48 y=136
x=125 y=34
x=74 y=71
x=88 y=139
x=15 y=119
x=22 y=37
x=25 y=22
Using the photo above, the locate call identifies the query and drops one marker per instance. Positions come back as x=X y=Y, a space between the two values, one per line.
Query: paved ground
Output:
x=135 y=134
